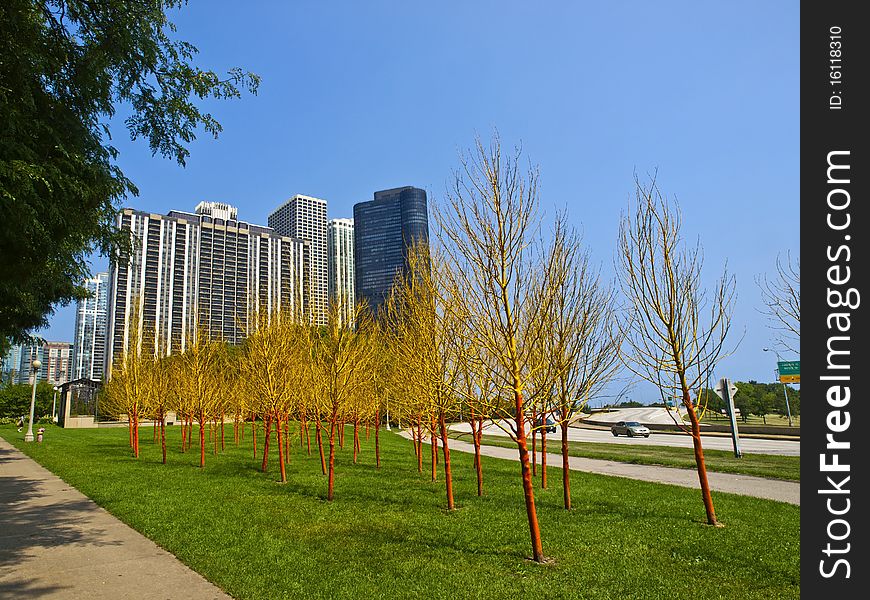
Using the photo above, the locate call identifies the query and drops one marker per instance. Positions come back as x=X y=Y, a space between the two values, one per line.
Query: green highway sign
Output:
x=789 y=367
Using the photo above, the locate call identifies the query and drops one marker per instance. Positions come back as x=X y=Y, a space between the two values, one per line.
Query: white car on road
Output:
x=629 y=428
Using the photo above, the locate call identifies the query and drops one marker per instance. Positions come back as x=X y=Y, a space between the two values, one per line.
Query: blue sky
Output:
x=362 y=96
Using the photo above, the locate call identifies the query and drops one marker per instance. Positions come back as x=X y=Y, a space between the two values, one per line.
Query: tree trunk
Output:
x=236 y=427
x=448 y=476
x=699 y=461
x=223 y=446
x=341 y=435
x=267 y=434
x=419 y=445
x=534 y=447
x=478 y=437
x=201 y=441
x=154 y=431
x=331 y=484
x=355 y=439
x=320 y=445
x=566 y=471
x=281 y=463
x=308 y=437
x=528 y=487
x=377 y=441
x=434 y=448
x=288 y=440
x=136 y=434
x=163 y=436
x=254 y=432
x=183 y=433
x=544 y=454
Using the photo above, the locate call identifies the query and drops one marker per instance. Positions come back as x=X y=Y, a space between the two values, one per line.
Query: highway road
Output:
x=780 y=447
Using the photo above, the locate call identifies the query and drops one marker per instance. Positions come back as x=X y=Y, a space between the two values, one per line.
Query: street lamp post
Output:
x=34 y=367
x=784 y=386
x=54 y=404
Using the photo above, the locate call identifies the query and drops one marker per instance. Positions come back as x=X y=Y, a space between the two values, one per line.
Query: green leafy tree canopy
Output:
x=65 y=67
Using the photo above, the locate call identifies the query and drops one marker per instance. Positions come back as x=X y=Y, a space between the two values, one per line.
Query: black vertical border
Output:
x=824 y=130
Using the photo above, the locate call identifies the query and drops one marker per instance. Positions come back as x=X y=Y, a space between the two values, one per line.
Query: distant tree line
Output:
x=760 y=399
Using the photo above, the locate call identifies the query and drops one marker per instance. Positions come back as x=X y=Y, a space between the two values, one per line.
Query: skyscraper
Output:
x=54 y=356
x=190 y=271
x=304 y=217
x=340 y=268
x=89 y=343
x=384 y=229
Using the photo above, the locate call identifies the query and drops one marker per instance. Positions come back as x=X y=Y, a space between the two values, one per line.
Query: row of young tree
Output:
x=494 y=324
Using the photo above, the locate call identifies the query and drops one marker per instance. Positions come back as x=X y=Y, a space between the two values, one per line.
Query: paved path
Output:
x=56 y=543
x=745 y=485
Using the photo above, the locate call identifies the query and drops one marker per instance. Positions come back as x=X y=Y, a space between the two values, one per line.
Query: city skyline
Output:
x=722 y=135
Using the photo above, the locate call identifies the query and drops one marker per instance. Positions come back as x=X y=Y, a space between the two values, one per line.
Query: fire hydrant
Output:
x=39 y=433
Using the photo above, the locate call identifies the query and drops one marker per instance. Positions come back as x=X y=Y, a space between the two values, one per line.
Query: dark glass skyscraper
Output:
x=384 y=229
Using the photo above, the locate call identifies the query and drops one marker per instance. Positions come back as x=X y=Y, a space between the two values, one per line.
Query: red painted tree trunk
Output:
x=544 y=455
x=136 y=434
x=355 y=439
x=566 y=471
x=163 y=436
x=699 y=461
x=528 y=487
x=201 y=441
x=308 y=437
x=434 y=450
x=448 y=476
x=254 y=433
x=278 y=433
x=341 y=435
x=267 y=435
x=287 y=440
x=320 y=444
x=419 y=448
x=377 y=441
x=476 y=436
x=236 y=427
x=534 y=447
x=331 y=484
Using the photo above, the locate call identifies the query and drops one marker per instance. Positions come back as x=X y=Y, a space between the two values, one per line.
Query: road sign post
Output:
x=726 y=390
x=789 y=371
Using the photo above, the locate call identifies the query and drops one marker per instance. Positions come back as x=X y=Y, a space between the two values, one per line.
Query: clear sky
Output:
x=363 y=96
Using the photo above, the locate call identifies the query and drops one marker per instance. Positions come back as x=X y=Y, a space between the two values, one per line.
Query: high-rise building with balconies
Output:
x=89 y=342
x=304 y=217
x=339 y=243
x=190 y=272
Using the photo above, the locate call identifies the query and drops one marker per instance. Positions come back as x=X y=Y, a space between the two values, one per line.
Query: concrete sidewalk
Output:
x=745 y=485
x=56 y=543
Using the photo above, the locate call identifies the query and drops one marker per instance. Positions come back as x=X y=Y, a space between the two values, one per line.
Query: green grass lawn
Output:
x=761 y=465
x=388 y=535
x=769 y=421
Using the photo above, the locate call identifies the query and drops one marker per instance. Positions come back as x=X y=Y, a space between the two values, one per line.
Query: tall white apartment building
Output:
x=304 y=217
x=89 y=342
x=190 y=272
x=340 y=266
